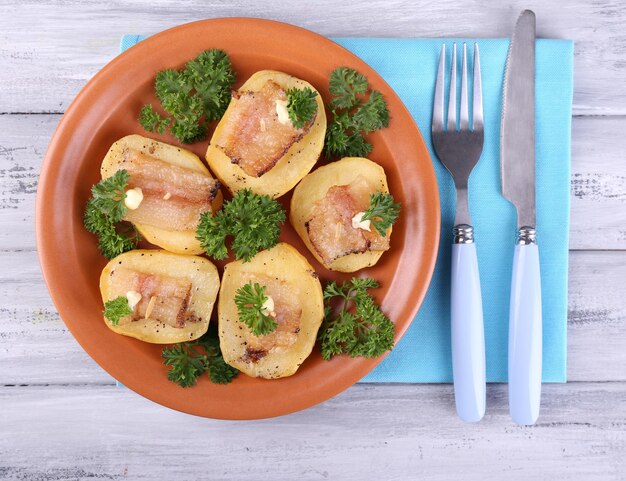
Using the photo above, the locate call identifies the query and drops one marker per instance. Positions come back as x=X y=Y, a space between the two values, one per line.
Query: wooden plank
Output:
x=23 y=145
x=50 y=48
x=38 y=349
x=598 y=179
x=597 y=318
x=36 y=346
x=598 y=183
x=368 y=433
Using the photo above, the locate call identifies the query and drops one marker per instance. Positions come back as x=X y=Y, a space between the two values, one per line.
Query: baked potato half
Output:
x=323 y=208
x=172 y=295
x=176 y=187
x=255 y=146
x=296 y=293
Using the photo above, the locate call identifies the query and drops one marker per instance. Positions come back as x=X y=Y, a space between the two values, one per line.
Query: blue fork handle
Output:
x=468 y=336
x=525 y=336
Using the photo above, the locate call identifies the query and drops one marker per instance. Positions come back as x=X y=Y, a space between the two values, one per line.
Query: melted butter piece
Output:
x=359 y=223
x=281 y=111
x=268 y=306
x=133 y=298
x=134 y=198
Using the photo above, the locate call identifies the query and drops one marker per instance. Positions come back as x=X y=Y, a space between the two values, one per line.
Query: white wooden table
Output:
x=61 y=416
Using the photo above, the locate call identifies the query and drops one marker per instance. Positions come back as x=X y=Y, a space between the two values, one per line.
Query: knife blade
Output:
x=517 y=131
x=517 y=169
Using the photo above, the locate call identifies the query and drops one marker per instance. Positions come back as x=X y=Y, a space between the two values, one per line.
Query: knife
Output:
x=517 y=168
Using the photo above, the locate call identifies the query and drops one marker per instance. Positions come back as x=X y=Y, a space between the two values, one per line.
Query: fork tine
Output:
x=464 y=115
x=452 y=99
x=477 y=118
x=438 y=104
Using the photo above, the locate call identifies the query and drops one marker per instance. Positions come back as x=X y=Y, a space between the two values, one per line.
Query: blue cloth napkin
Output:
x=409 y=66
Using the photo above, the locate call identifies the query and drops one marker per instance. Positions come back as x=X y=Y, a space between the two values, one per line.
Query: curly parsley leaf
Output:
x=151 y=120
x=108 y=195
x=354 y=325
x=383 y=212
x=113 y=240
x=250 y=299
x=212 y=77
x=104 y=212
x=354 y=114
x=186 y=364
x=252 y=220
x=193 y=96
x=219 y=372
x=301 y=106
x=189 y=360
x=117 y=308
x=344 y=85
x=372 y=114
x=169 y=84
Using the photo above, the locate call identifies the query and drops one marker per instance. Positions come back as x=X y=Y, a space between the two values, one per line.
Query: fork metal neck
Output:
x=462 y=216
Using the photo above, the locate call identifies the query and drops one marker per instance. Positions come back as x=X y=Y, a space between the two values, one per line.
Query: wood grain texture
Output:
x=108 y=433
x=74 y=39
x=37 y=348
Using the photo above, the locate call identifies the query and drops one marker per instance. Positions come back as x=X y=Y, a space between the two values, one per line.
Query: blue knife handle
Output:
x=525 y=336
x=468 y=336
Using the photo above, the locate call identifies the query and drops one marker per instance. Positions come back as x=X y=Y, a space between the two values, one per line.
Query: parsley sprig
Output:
x=189 y=360
x=252 y=220
x=191 y=97
x=151 y=121
x=249 y=300
x=103 y=215
x=117 y=308
x=383 y=212
x=301 y=106
x=358 y=327
x=354 y=114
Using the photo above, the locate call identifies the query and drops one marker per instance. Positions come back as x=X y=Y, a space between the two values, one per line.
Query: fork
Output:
x=459 y=147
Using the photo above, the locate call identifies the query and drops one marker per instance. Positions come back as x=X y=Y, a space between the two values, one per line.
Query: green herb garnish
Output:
x=117 y=308
x=250 y=299
x=151 y=120
x=383 y=212
x=354 y=114
x=301 y=106
x=358 y=327
x=189 y=360
x=192 y=97
x=104 y=212
x=108 y=195
x=252 y=220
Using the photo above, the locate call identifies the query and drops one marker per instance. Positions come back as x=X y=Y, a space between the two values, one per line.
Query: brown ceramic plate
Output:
x=107 y=108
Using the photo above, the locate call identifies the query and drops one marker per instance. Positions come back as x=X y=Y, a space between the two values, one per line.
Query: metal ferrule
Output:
x=526 y=236
x=463 y=234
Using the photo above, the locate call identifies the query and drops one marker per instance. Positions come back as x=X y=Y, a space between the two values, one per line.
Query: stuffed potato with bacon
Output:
x=298 y=309
x=325 y=212
x=171 y=296
x=256 y=145
x=175 y=189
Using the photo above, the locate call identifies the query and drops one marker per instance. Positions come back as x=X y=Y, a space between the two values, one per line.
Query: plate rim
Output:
x=51 y=271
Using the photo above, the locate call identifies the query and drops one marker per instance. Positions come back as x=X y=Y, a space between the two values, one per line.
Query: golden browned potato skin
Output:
x=288 y=265
x=180 y=242
x=314 y=187
x=295 y=164
x=205 y=283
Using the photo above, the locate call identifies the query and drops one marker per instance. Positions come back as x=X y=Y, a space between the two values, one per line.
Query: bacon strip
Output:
x=172 y=295
x=288 y=314
x=172 y=214
x=252 y=136
x=330 y=227
x=190 y=192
